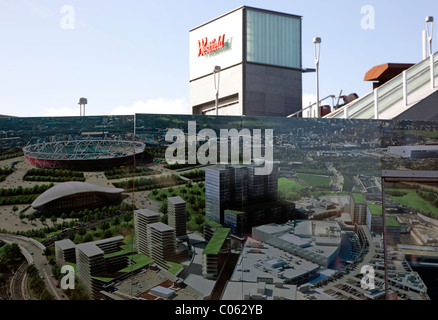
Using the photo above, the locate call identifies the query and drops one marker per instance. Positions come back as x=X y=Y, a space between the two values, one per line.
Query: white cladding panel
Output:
x=230 y=25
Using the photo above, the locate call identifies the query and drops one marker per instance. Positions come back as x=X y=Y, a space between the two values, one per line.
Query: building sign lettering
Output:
x=206 y=47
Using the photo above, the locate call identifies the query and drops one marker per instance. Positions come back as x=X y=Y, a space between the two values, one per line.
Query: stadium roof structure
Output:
x=66 y=189
x=82 y=154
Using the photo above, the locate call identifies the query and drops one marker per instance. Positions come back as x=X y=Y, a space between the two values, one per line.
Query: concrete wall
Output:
x=259 y=90
x=271 y=91
x=203 y=93
x=426 y=109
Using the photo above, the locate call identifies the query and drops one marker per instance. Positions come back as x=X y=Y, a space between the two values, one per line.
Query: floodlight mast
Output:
x=216 y=70
x=429 y=20
x=317 y=46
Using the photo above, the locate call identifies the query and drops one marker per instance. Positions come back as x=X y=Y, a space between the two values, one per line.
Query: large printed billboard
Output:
x=296 y=204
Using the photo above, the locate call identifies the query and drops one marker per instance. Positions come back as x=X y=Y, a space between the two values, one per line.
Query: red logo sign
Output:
x=206 y=47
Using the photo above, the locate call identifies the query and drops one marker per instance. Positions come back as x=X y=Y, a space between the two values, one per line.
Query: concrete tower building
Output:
x=246 y=62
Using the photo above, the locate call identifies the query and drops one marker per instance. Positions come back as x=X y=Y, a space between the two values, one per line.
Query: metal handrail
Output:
x=402 y=79
x=311 y=105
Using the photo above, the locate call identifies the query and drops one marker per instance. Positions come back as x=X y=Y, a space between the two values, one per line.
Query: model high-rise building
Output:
x=162 y=242
x=177 y=215
x=141 y=220
x=215 y=253
x=237 y=186
x=358 y=209
x=64 y=251
x=93 y=259
x=218 y=186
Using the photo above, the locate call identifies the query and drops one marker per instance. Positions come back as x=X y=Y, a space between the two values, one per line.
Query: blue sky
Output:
x=132 y=56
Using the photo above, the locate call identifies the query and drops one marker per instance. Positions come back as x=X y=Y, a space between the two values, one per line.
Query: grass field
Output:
x=414 y=201
x=425 y=133
x=287 y=185
x=289 y=189
x=314 y=180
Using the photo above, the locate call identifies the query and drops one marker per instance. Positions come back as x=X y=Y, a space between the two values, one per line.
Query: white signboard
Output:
x=217 y=43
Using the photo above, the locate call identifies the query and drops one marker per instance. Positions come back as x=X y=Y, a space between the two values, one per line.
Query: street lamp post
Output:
x=317 y=43
x=216 y=70
x=429 y=36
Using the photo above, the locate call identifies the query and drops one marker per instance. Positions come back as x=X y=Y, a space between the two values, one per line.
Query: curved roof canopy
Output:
x=65 y=189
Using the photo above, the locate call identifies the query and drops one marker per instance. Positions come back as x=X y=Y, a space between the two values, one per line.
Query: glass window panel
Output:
x=273 y=39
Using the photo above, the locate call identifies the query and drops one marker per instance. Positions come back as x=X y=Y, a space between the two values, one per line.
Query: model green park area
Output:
x=293 y=189
x=318 y=181
x=286 y=185
x=410 y=198
x=192 y=194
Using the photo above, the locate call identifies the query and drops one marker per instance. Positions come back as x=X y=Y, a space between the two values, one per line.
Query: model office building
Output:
x=142 y=218
x=162 y=242
x=92 y=260
x=237 y=198
x=358 y=209
x=177 y=215
x=215 y=253
x=237 y=185
x=154 y=238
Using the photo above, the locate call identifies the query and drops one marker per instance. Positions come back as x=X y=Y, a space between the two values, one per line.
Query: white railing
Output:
x=396 y=94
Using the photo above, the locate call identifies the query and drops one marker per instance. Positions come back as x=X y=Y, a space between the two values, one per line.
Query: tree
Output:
x=72 y=236
x=107 y=234
x=163 y=208
x=42 y=219
x=199 y=219
x=31 y=217
x=14 y=208
x=127 y=217
x=164 y=219
x=21 y=216
x=104 y=225
x=82 y=231
x=116 y=221
x=10 y=254
x=78 y=293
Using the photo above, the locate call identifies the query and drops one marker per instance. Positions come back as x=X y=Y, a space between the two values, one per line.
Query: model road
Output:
x=33 y=252
x=18 y=283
